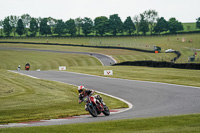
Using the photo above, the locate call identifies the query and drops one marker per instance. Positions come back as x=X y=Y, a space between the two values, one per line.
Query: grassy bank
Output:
x=189 y=27
x=185 y=43
x=24 y=99
x=43 y=60
x=170 y=124
x=118 y=54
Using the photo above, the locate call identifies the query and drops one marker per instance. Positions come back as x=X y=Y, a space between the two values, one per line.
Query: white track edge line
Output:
x=130 y=106
x=23 y=74
x=98 y=60
x=132 y=80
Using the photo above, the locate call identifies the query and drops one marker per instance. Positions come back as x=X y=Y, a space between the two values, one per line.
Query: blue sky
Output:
x=182 y=10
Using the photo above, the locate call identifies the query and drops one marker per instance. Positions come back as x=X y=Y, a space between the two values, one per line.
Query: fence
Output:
x=161 y=64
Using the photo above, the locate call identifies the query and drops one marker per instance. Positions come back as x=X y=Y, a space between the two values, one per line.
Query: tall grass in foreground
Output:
x=169 y=124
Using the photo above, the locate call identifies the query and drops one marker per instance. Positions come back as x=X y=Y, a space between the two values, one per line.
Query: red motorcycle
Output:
x=27 y=68
x=95 y=107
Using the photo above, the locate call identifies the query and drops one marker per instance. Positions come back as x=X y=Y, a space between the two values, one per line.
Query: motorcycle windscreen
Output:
x=85 y=99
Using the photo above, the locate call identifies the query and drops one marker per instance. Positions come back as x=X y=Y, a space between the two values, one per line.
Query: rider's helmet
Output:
x=80 y=88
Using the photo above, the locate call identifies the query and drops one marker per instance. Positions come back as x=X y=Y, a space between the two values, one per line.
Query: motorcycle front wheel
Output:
x=92 y=110
x=106 y=111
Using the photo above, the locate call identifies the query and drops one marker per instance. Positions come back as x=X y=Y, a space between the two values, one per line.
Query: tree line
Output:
x=148 y=21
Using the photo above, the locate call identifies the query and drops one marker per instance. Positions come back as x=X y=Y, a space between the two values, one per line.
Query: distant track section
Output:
x=104 y=59
x=82 y=45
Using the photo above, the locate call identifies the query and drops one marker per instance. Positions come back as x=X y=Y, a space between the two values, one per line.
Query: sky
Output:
x=182 y=10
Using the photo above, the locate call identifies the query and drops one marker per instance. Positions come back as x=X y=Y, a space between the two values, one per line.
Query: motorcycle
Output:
x=27 y=67
x=95 y=107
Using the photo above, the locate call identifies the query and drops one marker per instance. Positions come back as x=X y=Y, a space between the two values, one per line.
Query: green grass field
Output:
x=189 y=27
x=119 y=55
x=43 y=60
x=187 y=48
x=20 y=94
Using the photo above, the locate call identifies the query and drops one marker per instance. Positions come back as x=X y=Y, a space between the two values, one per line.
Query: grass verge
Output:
x=169 y=124
x=165 y=75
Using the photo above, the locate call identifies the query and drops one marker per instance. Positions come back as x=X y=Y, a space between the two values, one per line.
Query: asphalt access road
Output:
x=104 y=59
x=149 y=99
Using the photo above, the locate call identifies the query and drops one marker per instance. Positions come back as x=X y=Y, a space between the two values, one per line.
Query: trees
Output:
x=174 y=25
x=52 y=23
x=6 y=26
x=78 y=23
x=162 y=25
x=198 y=23
x=71 y=27
x=45 y=29
x=136 y=20
x=20 y=27
x=101 y=25
x=87 y=26
x=38 y=20
x=143 y=25
x=13 y=23
x=1 y=25
x=33 y=27
x=26 y=18
x=151 y=16
x=129 y=26
x=115 y=24
x=59 y=27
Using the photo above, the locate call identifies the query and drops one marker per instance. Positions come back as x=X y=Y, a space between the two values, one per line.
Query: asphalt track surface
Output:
x=149 y=99
x=104 y=59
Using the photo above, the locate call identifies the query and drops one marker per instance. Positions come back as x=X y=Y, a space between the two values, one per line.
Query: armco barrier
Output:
x=161 y=64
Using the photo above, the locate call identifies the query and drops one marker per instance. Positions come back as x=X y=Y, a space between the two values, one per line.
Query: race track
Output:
x=104 y=59
x=149 y=99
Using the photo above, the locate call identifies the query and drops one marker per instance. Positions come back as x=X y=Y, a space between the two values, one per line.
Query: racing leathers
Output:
x=89 y=93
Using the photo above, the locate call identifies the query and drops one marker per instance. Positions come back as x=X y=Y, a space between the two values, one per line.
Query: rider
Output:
x=27 y=66
x=85 y=92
